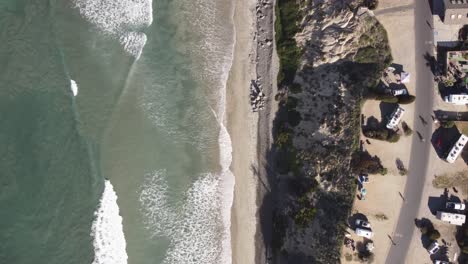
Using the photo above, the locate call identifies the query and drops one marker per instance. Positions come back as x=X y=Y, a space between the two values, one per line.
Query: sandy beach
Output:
x=242 y=127
x=252 y=61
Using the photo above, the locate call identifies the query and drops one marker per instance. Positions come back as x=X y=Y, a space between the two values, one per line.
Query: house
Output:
x=395 y=118
x=457 y=149
x=457 y=63
x=455 y=12
x=451 y=218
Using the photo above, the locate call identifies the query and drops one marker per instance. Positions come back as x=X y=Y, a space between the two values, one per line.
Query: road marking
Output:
x=428 y=42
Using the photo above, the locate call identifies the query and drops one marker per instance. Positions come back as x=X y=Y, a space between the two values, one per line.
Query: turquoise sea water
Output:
x=148 y=117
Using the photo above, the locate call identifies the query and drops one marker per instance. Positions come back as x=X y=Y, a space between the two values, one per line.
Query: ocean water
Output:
x=114 y=148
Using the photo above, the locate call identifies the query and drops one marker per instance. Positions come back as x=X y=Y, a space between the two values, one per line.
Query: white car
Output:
x=364 y=233
x=441 y=262
x=360 y=222
x=433 y=248
x=456 y=206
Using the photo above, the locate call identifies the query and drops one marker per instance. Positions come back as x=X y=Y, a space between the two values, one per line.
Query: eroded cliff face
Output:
x=344 y=49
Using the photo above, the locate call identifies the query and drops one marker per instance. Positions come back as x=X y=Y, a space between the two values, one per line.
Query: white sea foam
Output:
x=122 y=19
x=199 y=226
x=107 y=230
x=74 y=87
x=192 y=225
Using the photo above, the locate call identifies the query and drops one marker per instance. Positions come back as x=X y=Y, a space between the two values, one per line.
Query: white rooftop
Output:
x=454 y=219
x=457 y=149
x=395 y=117
x=459 y=99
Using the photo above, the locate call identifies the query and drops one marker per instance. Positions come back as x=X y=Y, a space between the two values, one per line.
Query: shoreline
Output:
x=254 y=59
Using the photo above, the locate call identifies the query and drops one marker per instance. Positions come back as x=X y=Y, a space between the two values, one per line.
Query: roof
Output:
x=455 y=12
x=454 y=219
x=457 y=149
x=395 y=117
x=456 y=4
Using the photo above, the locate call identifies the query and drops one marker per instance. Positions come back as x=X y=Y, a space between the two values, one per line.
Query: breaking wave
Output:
x=193 y=225
x=107 y=230
x=120 y=19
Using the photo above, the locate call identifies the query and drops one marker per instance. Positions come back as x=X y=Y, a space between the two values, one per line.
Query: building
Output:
x=457 y=149
x=451 y=218
x=457 y=63
x=395 y=118
x=458 y=99
x=456 y=12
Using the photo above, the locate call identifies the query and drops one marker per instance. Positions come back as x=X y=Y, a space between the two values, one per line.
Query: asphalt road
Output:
x=420 y=150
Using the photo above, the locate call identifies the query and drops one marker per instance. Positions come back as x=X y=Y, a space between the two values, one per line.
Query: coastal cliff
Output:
x=330 y=53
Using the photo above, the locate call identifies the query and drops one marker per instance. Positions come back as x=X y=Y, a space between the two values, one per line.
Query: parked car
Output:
x=360 y=222
x=441 y=262
x=456 y=206
x=364 y=233
x=433 y=248
x=363 y=178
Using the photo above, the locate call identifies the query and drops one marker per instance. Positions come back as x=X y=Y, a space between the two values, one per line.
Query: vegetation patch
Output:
x=381 y=133
x=406 y=129
x=458 y=179
x=286 y=27
x=363 y=162
x=375 y=48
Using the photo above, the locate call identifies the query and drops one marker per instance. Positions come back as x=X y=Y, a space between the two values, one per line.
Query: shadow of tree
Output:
x=443 y=139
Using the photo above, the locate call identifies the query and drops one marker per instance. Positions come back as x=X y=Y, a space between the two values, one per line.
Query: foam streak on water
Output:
x=107 y=230
x=121 y=19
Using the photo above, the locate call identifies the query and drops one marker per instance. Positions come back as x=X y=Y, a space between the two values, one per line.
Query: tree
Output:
x=434 y=235
x=387 y=98
x=371 y=4
x=406 y=99
x=408 y=131
x=424 y=230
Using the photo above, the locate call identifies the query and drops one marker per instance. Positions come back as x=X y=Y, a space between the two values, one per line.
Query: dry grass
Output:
x=381 y=217
x=462 y=127
x=458 y=180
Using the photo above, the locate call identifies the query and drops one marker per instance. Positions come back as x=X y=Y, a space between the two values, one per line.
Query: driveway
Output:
x=420 y=150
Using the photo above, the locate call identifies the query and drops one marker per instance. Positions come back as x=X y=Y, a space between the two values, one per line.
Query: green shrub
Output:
x=381 y=133
x=283 y=139
x=406 y=99
x=305 y=216
x=286 y=26
x=393 y=137
x=363 y=162
x=406 y=129
x=448 y=124
x=295 y=88
x=383 y=171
